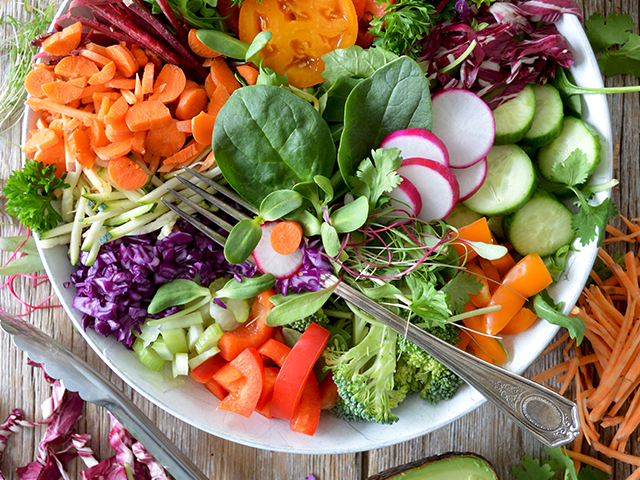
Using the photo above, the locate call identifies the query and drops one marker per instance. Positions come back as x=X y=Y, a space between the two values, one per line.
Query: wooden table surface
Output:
x=484 y=431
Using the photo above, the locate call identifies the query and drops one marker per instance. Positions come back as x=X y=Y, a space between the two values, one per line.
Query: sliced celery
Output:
x=161 y=348
x=180 y=365
x=147 y=356
x=207 y=354
x=183 y=322
x=192 y=335
x=176 y=340
x=209 y=338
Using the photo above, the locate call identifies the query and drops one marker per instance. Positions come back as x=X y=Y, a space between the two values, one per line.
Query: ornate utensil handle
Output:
x=550 y=417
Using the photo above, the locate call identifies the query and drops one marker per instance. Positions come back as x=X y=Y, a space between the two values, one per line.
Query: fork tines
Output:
x=216 y=201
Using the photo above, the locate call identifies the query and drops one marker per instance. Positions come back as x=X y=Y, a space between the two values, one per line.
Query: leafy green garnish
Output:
x=533 y=469
x=545 y=308
x=29 y=195
x=605 y=32
x=459 y=290
x=377 y=177
x=427 y=302
x=590 y=222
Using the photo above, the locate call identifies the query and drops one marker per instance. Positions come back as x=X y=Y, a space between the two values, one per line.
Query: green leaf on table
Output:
x=279 y=204
x=267 y=139
x=427 y=302
x=297 y=306
x=531 y=469
x=242 y=241
x=377 y=175
x=587 y=472
x=395 y=97
x=248 y=287
x=177 y=292
x=544 y=307
x=624 y=61
x=26 y=264
x=459 y=290
x=561 y=461
x=605 y=32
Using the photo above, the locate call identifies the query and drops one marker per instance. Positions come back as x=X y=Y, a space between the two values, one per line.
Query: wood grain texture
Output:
x=484 y=431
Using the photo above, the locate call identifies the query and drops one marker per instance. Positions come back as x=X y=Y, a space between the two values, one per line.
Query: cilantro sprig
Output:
x=591 y=220
x=29 y=195
x=533 y=469
x=613 y=37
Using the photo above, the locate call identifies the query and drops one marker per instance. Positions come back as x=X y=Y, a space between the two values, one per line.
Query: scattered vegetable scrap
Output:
x=606 y=381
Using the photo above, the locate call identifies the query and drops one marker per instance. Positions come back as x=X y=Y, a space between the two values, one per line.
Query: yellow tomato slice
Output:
x=303 y=31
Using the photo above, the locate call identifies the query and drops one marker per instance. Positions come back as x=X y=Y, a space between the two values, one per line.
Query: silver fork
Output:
x=550 y=417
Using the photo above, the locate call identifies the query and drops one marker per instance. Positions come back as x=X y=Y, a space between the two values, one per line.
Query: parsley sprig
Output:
x=590 y=222
x=29 y=195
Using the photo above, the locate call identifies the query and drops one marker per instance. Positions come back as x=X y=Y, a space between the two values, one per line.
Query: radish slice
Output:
x=436 y=184
x=406 y=200
x=417 y=142
x=270 y=261
x=470 y=179
x=464 y=122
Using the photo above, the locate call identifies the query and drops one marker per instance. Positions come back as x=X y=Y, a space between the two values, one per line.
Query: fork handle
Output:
x=550 y=417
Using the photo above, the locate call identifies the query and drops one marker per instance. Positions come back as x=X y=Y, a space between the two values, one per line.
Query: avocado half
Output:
x=446 y=466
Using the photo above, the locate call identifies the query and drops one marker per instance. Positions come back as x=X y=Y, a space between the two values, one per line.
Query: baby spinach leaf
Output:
x=279 y=203
x=177 y=292
x=354 y=62
x=267 y=139
x=394 y=98
x=242 y=241
x=248 y=287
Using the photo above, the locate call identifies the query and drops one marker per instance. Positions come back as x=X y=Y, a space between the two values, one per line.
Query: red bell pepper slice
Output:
x=251 y=334
x=215 y=388
x=244 y=401
x=275 y=350
x=229 y=378
x=296 y=369
x=264 y=402
x=307 y=414
x=328 y=393
x=203 y=372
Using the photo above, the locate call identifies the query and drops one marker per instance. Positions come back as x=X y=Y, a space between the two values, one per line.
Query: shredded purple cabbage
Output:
x=314 y=264
x=114 y=293
x=512 y=51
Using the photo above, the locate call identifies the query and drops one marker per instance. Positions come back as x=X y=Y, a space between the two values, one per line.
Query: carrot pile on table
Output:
x=606 y=382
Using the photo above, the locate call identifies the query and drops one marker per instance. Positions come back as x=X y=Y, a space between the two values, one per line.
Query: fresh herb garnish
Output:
x=29 y=195
x=613 y=36
x=378 y=176
x=590 y=222
x=533 y=469
x=545 y=307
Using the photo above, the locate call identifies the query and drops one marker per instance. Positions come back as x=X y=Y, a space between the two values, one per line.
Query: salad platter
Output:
x=189 y=402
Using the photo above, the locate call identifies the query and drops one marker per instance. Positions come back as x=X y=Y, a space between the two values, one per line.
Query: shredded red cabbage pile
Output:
x=314 y=264
x=114 y=293
x=519 y=46
x=61 y=443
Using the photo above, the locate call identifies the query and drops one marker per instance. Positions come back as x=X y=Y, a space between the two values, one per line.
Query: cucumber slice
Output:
x=510 y=182
x=575 y=135
x=514 y=118
x=548 y=118
x=495 y=225
x=461 y=216
x=541 y=226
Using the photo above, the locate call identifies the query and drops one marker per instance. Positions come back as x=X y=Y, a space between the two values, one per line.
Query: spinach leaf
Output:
x=267 y=139
x=354 y=62
x=394 y=98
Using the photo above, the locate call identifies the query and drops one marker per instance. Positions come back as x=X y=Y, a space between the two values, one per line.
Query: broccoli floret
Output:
x=421 y=372
x=319 y=317
x=364 y=375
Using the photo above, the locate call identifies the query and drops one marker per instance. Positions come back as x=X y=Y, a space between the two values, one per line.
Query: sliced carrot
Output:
x=90 y=90
x=286 y=237
x=202 y=127
x=129 y=96
x=209 y=86
x=220 y=97
x=75 y=66
x=153 y=58
x=78 y=82
x=117 y=132
x=34 y=80
x=184 y=157
x=64 y=42
x=104 y=75
x=114 y=150
x=97 y=135
x=165 y=141
x=117 y=112
x=223 y=76
x=54 y=155
x=121 y=83
x=208 y=163
x=80 y=148
x=147 y=115
x=191 y=102
x=184 y=126
x=98 y=98
x=123 y=58
x=139 y=55
x=249 y=73
x=62 y=92
x=138 y=142
x=147 y=78
x=99 y=59
x=198 y=47
x=169 y=84
x=40 y=140
x=94 y=47
x=127 y=174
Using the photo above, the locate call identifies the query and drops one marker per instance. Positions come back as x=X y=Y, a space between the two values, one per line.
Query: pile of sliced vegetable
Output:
x=436 y=187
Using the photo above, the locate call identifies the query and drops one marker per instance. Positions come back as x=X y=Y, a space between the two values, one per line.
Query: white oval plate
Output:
x=194 y=405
